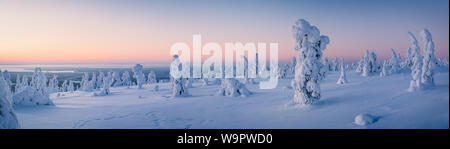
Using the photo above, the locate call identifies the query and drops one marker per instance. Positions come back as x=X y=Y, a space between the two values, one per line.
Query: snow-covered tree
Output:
x=416 y=64
x=53 y=84
x=369 y=63
x=93 y=82
x=327 y=64
x=64 y=86
x=151 y=78
x=139 y=75
x=107 y=82
x=126 y=80
x=394 y=62
x=116 y=79
x=342 y=77
x=35 y=94
x=412 y=49
x=232 y=87
x=8 y=119
x=71 y=87
x=7 y=78
x=17 y=85
x=84 y=84
x=179 y=87
x=429 y=60
x=100 y=77
x=309 y=45
x=335 y=64
x=384 y=70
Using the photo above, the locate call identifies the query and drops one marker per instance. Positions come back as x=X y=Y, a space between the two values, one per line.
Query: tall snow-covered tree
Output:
x=412 y=49
x=18 y=82
x=416 y=64
x=309 y=45
x=342 y=76
x=8 y=119
x=7 y=78
x=179 y=87
x=429 y=61
x=71 y=87
x=93 y=82
x=139 y=75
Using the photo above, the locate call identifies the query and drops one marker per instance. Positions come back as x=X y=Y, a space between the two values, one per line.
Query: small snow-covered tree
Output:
x=17 y=85
x=93 y=82
x=327 y=64
x=384 y=70
x=100 y=77
x=7 y=78
x=369 y=63
x=84 y=84
x=8 y=119
x=151 y=78
x=335 y=64
x=71 y=87
x=232 y=87
x=53 y=84
x=139 y=75
x=107 y=82
x=309 y=45
x=429 y=60
x=342 y=77
x=126 y=80
x=394 y=62
x=416 y=64
x=116 y=79
x=35 y=94
x=64 y=86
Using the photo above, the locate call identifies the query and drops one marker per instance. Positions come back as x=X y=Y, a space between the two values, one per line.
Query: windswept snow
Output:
x=384 y=98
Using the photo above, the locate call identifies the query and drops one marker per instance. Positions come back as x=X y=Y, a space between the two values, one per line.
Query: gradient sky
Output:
x=86 y=31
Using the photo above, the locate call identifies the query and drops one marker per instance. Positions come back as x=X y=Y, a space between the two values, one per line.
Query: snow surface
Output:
x=386 y=98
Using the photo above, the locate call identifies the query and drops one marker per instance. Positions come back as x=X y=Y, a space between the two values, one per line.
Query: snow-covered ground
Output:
x=385 y=99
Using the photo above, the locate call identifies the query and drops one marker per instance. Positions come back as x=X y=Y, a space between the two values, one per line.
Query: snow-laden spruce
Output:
x=429 y=60
x=416 y=63
x=35 y=94
x=151 y=77
x=309 y=45
x=139 y=75
x=8 y=119
x=342 y=76
x=232 y=87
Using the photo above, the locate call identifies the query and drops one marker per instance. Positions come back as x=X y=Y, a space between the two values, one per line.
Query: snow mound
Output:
x=30 y=97
x=234 y=88
x=364 y=119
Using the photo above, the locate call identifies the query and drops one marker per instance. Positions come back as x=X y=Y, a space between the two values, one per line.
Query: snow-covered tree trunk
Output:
x=71 y=87
x=179 y=87
x=116 y=79
x=384 y=70
x=342 y=77
x=139 y=75
x=428 y=59
x=8 y=119
x=99 y=83
x=309 y=44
